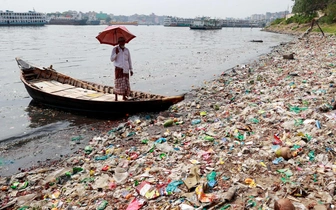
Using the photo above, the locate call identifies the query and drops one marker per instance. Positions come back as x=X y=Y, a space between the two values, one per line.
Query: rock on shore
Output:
x=221 y=148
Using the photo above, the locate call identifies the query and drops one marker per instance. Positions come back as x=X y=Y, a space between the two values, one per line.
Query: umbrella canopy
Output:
x=111 y=34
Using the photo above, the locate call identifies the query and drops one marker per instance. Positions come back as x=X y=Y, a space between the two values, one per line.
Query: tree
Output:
x=331 y=13
x=309 y=7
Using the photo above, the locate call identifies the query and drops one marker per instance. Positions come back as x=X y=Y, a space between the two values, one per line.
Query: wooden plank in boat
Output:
x=69 y=93
x=108 y=97
x=41 y=83
x=87 y=97
x=76 y=93
x=60 y=84
x=53 y=89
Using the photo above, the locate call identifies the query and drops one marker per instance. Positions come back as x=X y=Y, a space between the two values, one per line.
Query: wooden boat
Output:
x=49 y=87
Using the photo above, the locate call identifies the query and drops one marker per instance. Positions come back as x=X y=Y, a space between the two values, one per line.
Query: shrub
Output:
x=277 y=21
x=326 y=19
x=331 y=13
x=300 y=18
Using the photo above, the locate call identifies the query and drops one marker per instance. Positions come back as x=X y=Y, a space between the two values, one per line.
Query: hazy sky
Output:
x=180 y=8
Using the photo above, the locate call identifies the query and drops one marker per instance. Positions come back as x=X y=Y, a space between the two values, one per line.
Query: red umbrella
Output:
x=111 y=34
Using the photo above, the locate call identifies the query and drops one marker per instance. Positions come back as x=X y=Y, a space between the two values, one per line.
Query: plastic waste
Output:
x=88 y=149
x=318 y=124
x=103 y=204
x=75 y=170
x=211 y=177
x=277 y=140
x=278 y=160
x=195 y=121
x=136 y=204
x=120 y=175
x=101 y=157
x=168 y=123
x=202 y=196
x=76 y=138
x=173 y=186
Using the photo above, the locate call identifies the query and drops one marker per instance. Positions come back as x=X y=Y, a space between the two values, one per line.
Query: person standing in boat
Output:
x=123 y=68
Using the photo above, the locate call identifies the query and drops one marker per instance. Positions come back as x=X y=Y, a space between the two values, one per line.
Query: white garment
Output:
x=122 y=59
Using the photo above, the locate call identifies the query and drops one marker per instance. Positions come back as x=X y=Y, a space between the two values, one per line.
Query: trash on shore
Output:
x=259 y=137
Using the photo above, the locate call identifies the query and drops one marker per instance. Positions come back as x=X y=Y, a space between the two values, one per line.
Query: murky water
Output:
x=166 y=61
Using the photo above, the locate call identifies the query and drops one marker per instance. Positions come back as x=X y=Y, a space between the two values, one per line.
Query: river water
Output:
x=166 y=60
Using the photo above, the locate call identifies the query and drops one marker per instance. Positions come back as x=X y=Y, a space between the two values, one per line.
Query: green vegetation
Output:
x=277 y=21
x=330 y=29
x=324 y=11
x=300 y=18
x=306 y=10
x=310 y=6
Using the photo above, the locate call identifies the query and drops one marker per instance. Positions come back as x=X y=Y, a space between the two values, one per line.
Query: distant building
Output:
x=101 y=16
x=258 y=17
x=272 y=16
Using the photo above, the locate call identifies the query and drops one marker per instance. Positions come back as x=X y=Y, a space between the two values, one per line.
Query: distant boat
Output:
x=31 y=18
x=93 y=22
x=67 y=21
x=135 y=23
x=170 y=21
x=205 y=23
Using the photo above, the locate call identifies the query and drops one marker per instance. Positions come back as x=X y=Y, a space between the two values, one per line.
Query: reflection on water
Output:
x=45 y=121
x=41 y=115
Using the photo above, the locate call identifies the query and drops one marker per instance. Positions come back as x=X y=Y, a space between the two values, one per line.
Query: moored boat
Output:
x=67 y=21
x=57 y=90
x=170 y=21
x=31 y=18
x=206 y=23
x=93 y=22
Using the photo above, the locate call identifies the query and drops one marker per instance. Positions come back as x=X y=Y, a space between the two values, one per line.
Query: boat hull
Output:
x=67 y=22
x=22 y=24
x=60 y=91
x=206 y=27
x=31 y=18
x=178 y=25
x=93 y=22
x=99 y=108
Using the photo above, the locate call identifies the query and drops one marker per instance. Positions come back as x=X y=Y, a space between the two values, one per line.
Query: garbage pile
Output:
x=261 y=136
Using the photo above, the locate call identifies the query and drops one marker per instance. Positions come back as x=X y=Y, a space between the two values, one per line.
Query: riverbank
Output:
x=218 y=147
x=298 y=29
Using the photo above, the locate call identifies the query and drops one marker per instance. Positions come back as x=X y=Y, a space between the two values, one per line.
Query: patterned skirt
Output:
x=121 y=83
